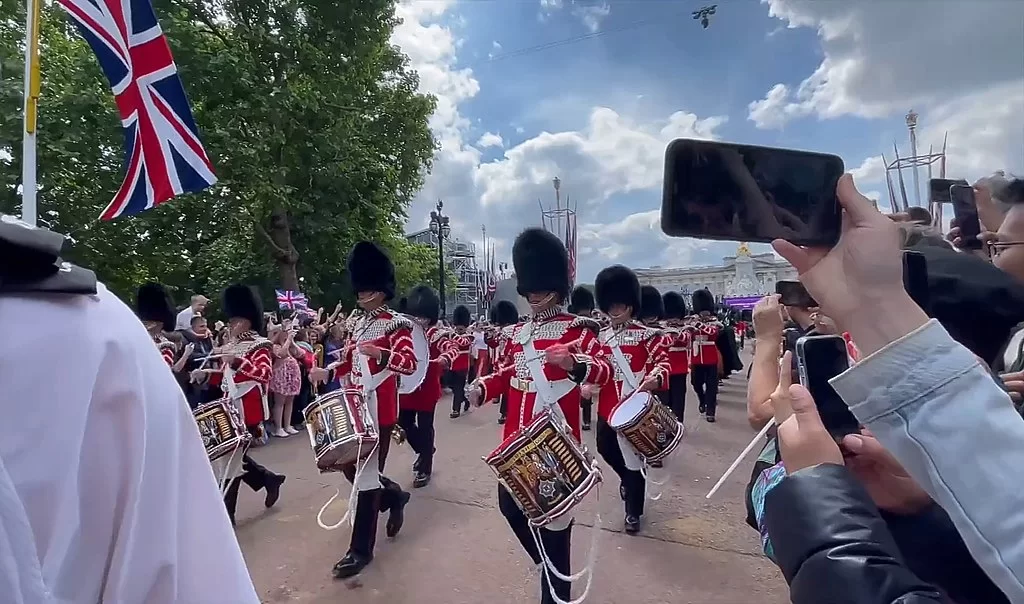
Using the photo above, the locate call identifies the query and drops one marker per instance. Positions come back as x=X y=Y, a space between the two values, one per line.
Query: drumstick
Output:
x=742 y=455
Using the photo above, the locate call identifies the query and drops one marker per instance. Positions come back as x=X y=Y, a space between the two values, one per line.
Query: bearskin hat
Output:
x=153 y=304
x=702 y=301
x=492 y=315
x=424 y=303
x=461 y=316
x=581 y=300
x=243 y=302
x=505 y=313
x=675 y=306
x=650 y=303
x=541 y=263
x=403 y=305
x=617 y=285
x=370 y=270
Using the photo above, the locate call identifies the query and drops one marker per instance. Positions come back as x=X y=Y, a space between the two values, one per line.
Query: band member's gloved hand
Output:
x=475 y=394
x=197 y=375
x=588 y=391
x=318 y=375
x=651 y=384
x=372 y=351
x=446 y=363
x=559 y=354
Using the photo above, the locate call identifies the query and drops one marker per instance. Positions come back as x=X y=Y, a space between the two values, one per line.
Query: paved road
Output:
x=456 y=548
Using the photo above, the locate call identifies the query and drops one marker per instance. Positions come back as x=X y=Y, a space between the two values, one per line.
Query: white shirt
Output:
x=106 y=492
x=184 y=320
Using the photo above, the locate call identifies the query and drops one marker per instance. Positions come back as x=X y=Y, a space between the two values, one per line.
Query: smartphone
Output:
x=938 y=189
x=714 y=190
x=819 y=359
x=793 y=293
x=965 y=215
x=915 y=277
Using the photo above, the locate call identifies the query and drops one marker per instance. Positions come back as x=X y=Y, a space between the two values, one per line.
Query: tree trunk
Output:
x=285 y=255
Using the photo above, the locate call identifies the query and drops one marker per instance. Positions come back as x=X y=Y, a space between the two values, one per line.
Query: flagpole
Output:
x=31 y=107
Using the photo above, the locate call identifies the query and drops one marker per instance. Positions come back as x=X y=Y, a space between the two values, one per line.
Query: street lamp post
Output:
x=439 y=226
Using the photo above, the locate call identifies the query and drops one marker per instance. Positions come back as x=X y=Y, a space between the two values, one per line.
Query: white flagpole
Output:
x=31 y=93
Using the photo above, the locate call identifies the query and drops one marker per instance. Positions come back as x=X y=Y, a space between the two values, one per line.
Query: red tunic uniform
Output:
x=425 y=397
x=392 y=333
x=460 y=345
x=252 y=371
x=704 y=351
x=513 y=376
x=166 y=351
x=679 y=339
x=646 y=351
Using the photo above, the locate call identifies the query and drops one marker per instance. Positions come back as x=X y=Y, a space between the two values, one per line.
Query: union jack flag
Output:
x=291 y=300
x=163 y=154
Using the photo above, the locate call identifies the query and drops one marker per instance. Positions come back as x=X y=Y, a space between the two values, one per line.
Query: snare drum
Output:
x=648 y=425
x=221 y=428
x=341 y=430
x=547 y=472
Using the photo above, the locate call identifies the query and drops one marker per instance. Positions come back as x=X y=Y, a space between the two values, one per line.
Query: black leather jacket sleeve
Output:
x=833 y=546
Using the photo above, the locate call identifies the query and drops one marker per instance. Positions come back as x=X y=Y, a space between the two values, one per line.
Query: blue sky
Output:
x=597 y=112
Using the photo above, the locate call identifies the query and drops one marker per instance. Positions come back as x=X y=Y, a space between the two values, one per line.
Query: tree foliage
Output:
x=310 y=116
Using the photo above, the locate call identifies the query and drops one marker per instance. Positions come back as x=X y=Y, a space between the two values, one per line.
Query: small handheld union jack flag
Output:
x=291 y=300
x=163 y=154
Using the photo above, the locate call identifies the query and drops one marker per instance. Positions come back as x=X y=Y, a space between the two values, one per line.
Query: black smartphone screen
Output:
x=821 y=358
x=965 y=215
x=915 y=277
x=745 y=193
x=793 y=293
x=938 y=189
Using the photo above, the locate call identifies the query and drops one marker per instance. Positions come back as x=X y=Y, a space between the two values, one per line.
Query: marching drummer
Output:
x=546 y=374
x=640 y=359
x=379 y=349
x=679 y=336
x=245 y=371
x=581 y=302
x=154 y=309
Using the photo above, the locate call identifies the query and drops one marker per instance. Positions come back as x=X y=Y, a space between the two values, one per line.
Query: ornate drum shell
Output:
x=220 y=427
x=341 y=430
x=650 y=442
x=572 y=472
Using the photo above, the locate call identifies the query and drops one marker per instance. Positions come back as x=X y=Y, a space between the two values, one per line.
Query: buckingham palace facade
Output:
x=742 y=275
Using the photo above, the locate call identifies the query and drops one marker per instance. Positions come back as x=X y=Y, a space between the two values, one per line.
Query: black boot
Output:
x=393 y=500
x=421 y=480
x=273 y=487
x=632 y=524
x=364 y=536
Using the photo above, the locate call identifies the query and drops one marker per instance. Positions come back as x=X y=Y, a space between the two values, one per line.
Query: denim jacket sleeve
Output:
x=937 y=409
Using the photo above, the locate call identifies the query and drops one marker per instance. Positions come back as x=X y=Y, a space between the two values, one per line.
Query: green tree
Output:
x=310 y=116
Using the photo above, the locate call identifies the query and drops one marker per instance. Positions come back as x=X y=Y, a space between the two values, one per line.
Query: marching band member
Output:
x=542 y=372
x=652 y=310
x=461 y=343
x=504 y=317
x=679 y=335
x=481 y=351
x=581 y=302
x=704 y=353
x=154 y=309
x=246 y=367
x=379 y=349
x=416 y=409
x=640 y=351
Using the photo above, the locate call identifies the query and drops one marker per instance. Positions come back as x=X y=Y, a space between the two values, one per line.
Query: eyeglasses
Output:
x=997 y=247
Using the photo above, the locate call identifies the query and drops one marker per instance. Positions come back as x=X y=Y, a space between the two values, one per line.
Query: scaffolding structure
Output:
x=561 y=220
x=912 y=163
x=460 y=259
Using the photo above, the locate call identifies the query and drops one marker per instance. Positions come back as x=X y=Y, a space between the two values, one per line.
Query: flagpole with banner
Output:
x=31 y=93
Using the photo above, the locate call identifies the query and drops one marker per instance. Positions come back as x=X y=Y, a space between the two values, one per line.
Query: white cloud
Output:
x=884 y=57
x=490 y=139
x=591 y=14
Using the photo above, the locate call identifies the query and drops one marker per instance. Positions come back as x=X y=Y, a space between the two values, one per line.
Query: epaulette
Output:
x=586 y=323
x=396 y=322
x=30 y=262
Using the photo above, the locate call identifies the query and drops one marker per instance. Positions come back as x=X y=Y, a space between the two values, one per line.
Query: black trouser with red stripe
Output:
x=557 y=545
x=675 y=396
x=705 y=383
